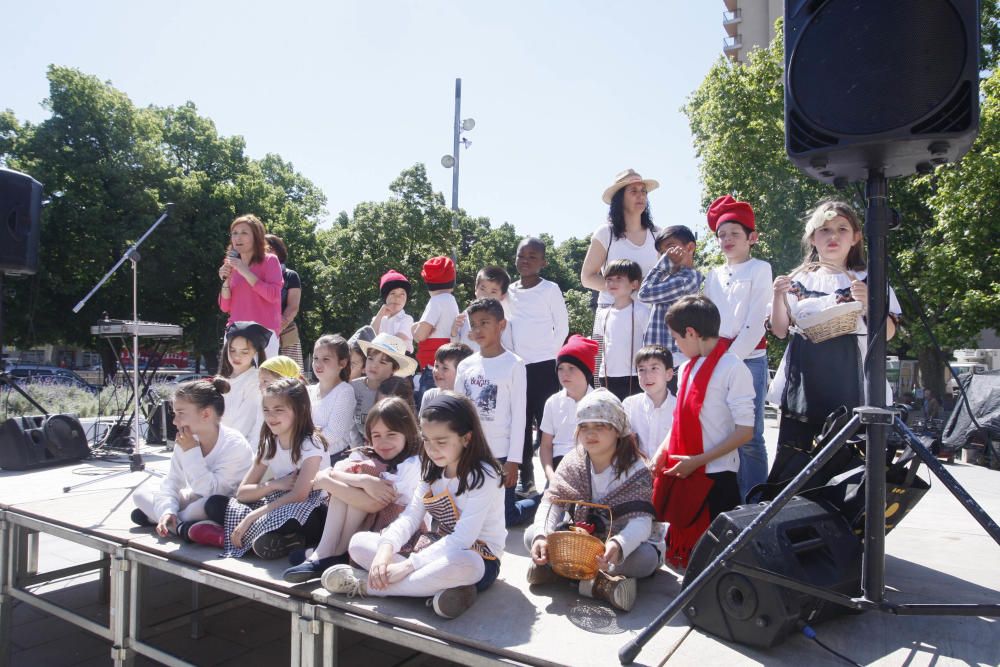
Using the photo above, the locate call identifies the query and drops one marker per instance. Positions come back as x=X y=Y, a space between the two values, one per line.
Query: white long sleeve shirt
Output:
x=729 y=401
x=650 y=424
x=498 y=387
x=243 y=405
x=742 y=293
x=218 y=473
x=539 y=321
x=333 y=414
x=481 y=517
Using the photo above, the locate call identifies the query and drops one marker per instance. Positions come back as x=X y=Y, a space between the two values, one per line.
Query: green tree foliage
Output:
x=109 y=167
x=945 y=249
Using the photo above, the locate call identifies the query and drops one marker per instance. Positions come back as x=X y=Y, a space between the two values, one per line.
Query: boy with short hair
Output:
x=433 y=329
x=391 y=319
x=651 y=413
x=446 y=361
x=673 y=276
x=494 y=379
x=539 y=324
x=742 y=290
x=621 y=326
x=696 y=475
x=575 y=369
x=492 y=282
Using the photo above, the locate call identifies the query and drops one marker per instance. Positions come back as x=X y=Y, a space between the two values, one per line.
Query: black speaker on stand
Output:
x=805 y=542
x=20 y=216
x=37 y=442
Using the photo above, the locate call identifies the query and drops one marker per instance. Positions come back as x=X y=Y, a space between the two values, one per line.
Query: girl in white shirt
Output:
x=605 y=468
x=333 y=399
x=243 y=353
x=276 y=516
x=371 y=487
x=208 y=459
x=461 y=489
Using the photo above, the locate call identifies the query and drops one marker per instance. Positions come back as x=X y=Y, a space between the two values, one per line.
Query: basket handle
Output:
x=611 y=518
x=813 y=265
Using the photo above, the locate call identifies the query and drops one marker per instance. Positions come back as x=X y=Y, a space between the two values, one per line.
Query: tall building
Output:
x=749 y=24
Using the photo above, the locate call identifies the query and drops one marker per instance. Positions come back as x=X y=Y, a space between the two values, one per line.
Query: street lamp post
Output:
x=452 y=161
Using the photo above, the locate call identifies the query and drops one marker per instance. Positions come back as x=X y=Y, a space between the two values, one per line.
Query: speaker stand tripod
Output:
x=877 y=421
x=136 y=464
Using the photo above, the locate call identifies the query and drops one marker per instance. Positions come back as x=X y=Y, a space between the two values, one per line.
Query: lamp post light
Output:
x=452 y=161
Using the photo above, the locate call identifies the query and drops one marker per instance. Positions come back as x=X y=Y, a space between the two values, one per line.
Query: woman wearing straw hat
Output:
x=629 y=233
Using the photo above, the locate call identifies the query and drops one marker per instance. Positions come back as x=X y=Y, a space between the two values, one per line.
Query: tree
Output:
x=736 y=117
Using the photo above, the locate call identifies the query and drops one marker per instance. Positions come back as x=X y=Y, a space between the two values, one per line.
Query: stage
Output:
x=938 y=554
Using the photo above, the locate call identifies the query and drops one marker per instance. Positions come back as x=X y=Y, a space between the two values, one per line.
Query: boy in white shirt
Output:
x=696 y=474
x=652 y=412
x=539 y=324
x=494 y=379
x=391 y=319
x=622 y=325
x=434 y=327
x=492 y=282
x=575 y=370
x=446 y=361
x=742 y=290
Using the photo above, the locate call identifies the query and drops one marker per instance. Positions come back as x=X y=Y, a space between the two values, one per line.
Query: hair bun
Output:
x=220 y=384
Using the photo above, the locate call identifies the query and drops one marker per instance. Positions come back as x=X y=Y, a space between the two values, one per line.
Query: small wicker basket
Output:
x=573 y=553
x=837 y=320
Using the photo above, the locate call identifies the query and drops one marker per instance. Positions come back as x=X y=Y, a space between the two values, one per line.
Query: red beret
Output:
x=727 y=209
x=439 y=273
x=582 y=350
x=392 y=279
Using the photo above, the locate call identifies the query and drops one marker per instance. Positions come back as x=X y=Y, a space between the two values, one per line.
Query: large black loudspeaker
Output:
x=36 y=442
x=804 y=542
x=20 y=217
x=891 y=84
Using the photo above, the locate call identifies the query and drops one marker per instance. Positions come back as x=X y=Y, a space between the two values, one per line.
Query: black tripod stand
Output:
x=877 y=420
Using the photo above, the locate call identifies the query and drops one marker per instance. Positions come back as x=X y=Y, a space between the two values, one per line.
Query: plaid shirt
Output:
x=660 y=289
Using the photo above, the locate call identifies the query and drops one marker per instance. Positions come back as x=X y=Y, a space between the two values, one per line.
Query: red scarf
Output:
x=683 y=503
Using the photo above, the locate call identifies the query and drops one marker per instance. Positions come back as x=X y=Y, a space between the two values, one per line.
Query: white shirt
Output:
x=464 y=330
x=281 y=464
x=481 y=517
x=644 y=255
x=823 y=285
x=742 y=293
x=651 y=424
x=218 y=473
x=440 y=312
x=498 y=388
x=397 y=324
x=243 y=405
x=539 y=321
x=406 y=479
x=559 y=421
x=623 y=331
x=729 y=401
x=333 y=414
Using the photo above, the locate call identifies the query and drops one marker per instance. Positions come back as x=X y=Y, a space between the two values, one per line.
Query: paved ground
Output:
x=938 y=554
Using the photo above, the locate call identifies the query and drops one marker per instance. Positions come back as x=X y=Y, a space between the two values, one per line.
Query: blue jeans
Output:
x=518 y=512
x=753 y=455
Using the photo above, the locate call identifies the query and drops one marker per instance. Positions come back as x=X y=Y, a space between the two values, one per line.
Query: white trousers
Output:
x=192 y=506
x=463 y=568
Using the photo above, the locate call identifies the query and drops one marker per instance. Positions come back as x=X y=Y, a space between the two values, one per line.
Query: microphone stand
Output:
x=136 y=463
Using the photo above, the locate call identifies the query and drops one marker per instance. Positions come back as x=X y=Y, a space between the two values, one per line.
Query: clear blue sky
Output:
x=564 y=94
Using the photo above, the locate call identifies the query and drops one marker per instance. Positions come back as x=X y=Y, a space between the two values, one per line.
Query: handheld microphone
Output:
x=233 y=253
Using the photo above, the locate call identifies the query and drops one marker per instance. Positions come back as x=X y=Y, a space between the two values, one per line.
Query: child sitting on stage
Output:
x=333 y=400
x=461 y=489
x=278 y=515
x=242 y=355
x=604 y=468
x=378 y=479
x=446 y=361
x=695 y=478
x=208 y=458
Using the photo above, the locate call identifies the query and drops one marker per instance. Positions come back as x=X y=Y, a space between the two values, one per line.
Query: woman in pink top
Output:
x=251 y=279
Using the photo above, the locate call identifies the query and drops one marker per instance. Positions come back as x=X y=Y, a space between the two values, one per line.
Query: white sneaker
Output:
x=345 y=580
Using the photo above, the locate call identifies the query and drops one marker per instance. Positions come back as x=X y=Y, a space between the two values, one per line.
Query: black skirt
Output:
x=821 y=377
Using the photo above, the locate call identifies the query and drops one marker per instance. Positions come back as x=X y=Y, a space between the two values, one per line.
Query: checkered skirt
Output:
x=237 y=511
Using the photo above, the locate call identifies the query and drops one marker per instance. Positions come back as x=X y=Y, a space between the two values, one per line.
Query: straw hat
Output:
x=395 y=348
x=628 y=177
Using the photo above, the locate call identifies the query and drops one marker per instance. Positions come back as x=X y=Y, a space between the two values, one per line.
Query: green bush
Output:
x=60 y=399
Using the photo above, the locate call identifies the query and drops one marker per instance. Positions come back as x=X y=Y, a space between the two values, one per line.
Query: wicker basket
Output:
x=837 y=320
x=573 y=553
